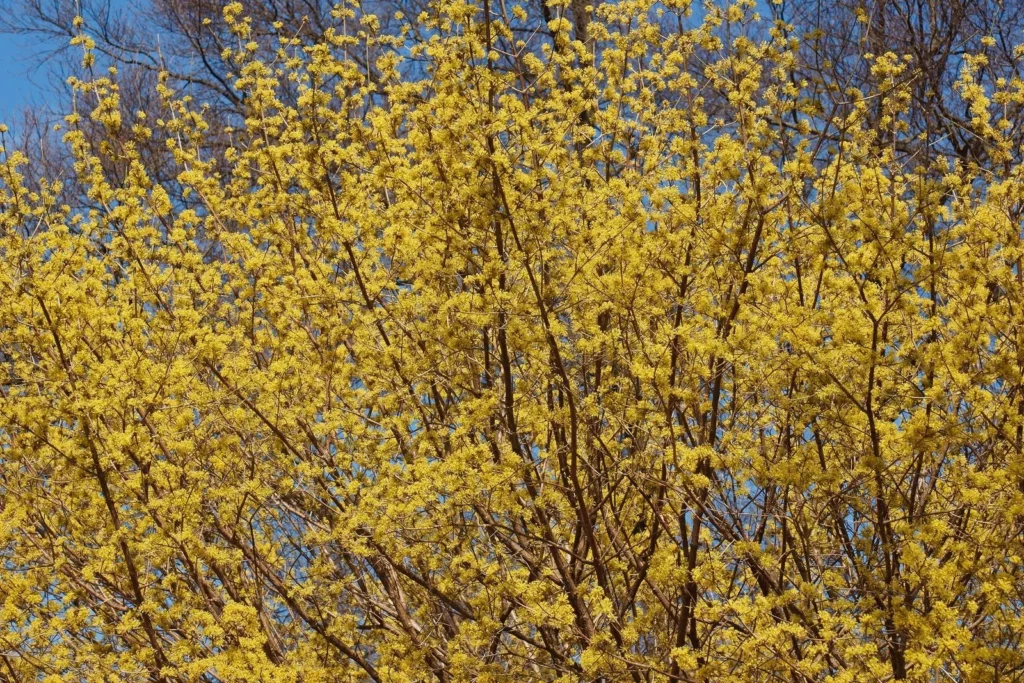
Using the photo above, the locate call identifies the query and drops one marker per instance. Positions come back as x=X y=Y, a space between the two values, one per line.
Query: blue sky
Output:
x=23 y=80
x=14 y=87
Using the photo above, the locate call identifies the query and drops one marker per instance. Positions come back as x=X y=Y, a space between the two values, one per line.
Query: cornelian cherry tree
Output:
x=504 y=347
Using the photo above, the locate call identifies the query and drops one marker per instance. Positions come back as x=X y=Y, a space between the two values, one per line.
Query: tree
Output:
x=934 y=37
x=467 y=353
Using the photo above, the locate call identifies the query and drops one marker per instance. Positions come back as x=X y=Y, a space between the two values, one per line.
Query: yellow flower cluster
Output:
x=472 y=354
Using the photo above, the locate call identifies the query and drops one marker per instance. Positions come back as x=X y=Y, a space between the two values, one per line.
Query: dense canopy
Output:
x=493 y=343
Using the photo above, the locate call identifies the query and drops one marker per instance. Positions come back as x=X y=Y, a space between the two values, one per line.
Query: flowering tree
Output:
x=477 y=355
